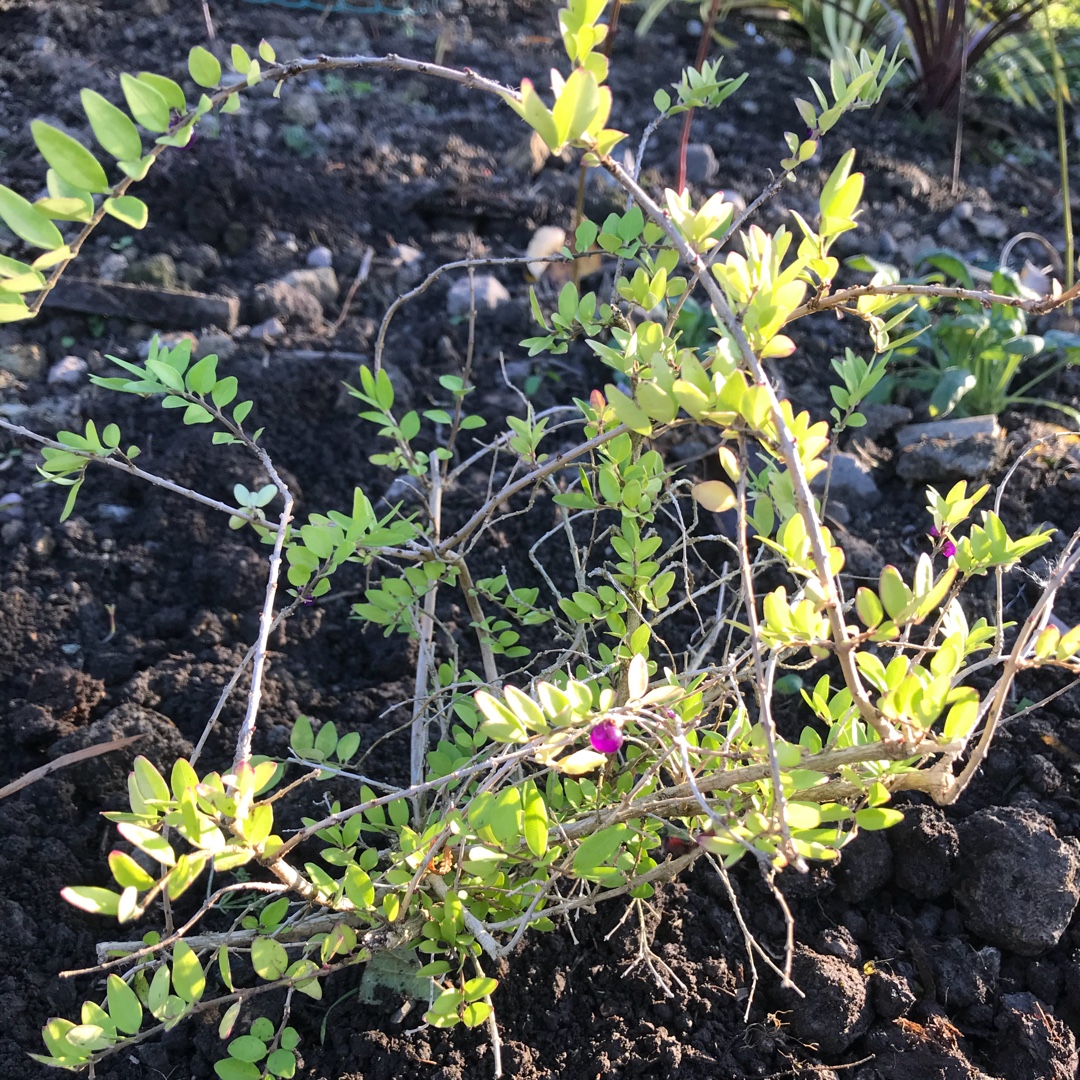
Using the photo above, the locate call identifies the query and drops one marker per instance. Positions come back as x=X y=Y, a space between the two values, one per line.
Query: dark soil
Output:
x=129 y=618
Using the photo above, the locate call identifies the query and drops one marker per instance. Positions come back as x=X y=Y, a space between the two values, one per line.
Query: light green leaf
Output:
x=189 y=982
x=112 y=127
x=268 y=958
x=125 y=1009
x=146 y=104
x=204 y=67
x=69 y=158
x=128 y=209
x=28 y=223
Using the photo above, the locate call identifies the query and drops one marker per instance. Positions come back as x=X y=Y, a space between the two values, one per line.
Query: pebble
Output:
x=267 y=330
x=158 y=270
x=990 y=227
x=68 y=371
x=958 y=449
x=409 y=263
x=319 y=257
x=963 y=211
x=301 y=108
x=23 y=361
x=850 y=480
x=318 y=281
x=114 y=513
x=785 y=57
x=112 y=267
x=701 y=163
x=11 y=506
x=220 y=345
x=490 y=295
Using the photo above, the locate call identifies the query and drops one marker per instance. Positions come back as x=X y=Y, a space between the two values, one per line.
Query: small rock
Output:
x=887 y=245
x=701 y=163
x=114 y=513
x=217 y=344
x=1033 y=1044
x=112 y=267
x=67 y=371
x=990 y=226
x=318 y=281
x=862 y=559
x=963 y=211
x=964 y=977
x=785 y=57
x=962 y=449
x=735 y=198
x=951 y=233
x=11 y=532
x=301 y=108
x=834 y=1012
x=11 y=506
x=925 y=848
x=166 y=341
x=277 y=298
x=409 y=263
x=489 y=292
x=320 y=257
x=24 y=361
x=158 y=270
x=891 y=994
x=882 y=420
x=1019 y=884
x=851 y=480
x=267 y=330
x=865 y=866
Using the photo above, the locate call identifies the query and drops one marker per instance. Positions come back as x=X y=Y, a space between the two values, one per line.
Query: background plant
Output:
x=545 y=765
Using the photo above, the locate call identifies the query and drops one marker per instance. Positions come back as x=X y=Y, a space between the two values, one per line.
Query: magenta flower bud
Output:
x=935 y=532
x=948 y=549
x=606 y=738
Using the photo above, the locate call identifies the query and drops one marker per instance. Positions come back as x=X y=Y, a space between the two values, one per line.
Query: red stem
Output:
x=702 y=53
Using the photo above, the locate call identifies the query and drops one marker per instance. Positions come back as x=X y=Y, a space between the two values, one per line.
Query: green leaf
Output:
x=71 y=160
x=204 y=67
x=231 y=1069
x=90 y=898
x=240 y=59
x=112 y=127
x=359 y=889
x=128 y=209
x=247 y=1048
x=282 y=1063
x=125 y=1009
x=628 y=411
x=877 y=817
x=188 y=979
x=146 y=104
x=172 y=92
x=27 y=222
x=599 y=847
x=268 y=958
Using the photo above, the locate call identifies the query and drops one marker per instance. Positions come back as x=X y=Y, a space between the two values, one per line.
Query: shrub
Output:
x=542 y=782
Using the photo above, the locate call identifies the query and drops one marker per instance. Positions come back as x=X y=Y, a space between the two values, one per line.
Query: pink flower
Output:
x=948 y=549
x=935 y=532
x=606 y=737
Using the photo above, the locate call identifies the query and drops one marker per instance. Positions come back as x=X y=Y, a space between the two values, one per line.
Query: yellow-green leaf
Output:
x=71 y=160
x=26 y=222
x=112 y=127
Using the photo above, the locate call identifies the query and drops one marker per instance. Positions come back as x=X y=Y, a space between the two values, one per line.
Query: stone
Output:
x=925 y=847
x=785 y=57
x=267 y=330
x=409 y=263
x=301 y=108
x=891 y=994
x=490 y=294
x=943 y=450
x=68 y=371
x=214 y=343
x=1019 y=884
x=851 y=480
x=320 y=257
x=1033 y=1043
x=834 y=1012
x=881 y=421
x=701 y=163
x=277 y=298
x=963 y=210
x=158 y=270
x=23 y=361
x=318 y=281
x=990 y=226
x=113 y=267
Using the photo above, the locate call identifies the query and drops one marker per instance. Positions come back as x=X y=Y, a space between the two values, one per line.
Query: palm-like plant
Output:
x=947 y=38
